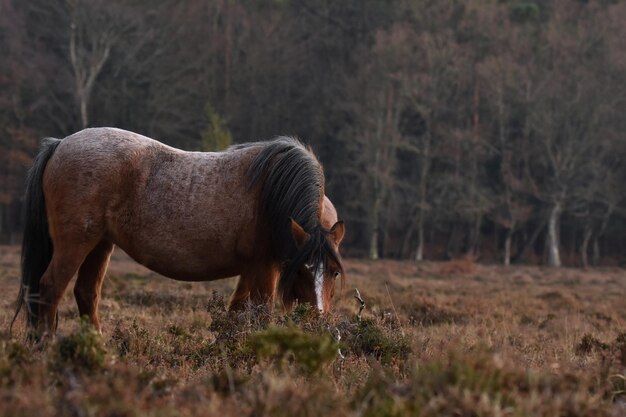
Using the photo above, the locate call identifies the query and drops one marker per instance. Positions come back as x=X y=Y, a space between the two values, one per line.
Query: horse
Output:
x=257 y=210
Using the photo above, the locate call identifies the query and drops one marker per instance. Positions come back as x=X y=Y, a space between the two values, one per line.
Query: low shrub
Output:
x=426 y=314
x=366 y=337
x=308 y=351
x=83 y=349
x=589 y=344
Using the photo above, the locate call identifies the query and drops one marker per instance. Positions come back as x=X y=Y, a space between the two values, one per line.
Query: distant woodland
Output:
x=492 y=129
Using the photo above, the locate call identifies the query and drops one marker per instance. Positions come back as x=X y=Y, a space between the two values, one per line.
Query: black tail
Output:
x=36 y=244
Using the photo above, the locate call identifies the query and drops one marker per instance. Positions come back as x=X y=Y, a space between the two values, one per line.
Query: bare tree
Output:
x=567 y=115
x=505 y=79
x=95 y=28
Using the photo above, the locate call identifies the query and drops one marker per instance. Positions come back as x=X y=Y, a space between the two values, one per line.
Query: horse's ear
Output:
x=300 y=236
x=337 y=232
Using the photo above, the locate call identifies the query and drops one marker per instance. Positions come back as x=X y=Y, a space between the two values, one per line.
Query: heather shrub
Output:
x=309 y=352
x=83 y=349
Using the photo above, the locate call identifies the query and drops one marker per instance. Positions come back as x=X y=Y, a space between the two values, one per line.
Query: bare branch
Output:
x=360 y=300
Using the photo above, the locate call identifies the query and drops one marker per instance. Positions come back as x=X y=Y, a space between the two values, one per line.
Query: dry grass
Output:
x=523 y=341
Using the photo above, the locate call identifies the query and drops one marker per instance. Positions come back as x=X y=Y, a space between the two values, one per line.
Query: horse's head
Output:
x=319 y=265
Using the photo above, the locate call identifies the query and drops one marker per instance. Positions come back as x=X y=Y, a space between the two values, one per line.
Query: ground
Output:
x=434 y=339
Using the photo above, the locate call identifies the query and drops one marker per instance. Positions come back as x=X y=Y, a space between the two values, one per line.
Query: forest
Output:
x=487 y=129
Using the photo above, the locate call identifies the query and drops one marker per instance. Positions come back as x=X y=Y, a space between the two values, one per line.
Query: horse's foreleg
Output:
x=241 y=297
x=257 y=286
x=89 y=281
x=263 y=288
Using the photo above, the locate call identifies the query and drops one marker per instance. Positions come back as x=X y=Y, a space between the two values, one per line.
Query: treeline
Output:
x=493 y=129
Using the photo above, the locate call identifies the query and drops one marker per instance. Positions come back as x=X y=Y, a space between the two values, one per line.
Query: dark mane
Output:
x=292 y=186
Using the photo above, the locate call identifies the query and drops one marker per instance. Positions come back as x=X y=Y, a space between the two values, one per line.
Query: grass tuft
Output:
x=83 y=349
x=368 y=338
x=589 y=344
x=309 y=352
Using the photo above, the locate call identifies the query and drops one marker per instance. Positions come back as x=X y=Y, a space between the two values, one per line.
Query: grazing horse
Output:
x=257 y=210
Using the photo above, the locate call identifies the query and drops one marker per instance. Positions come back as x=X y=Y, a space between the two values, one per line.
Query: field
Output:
x=438 y=339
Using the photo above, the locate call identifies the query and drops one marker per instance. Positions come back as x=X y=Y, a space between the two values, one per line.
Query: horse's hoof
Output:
x=43 y=341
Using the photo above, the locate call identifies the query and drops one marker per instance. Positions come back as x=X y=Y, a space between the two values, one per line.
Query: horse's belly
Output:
x=185 y=265
x=187 y=246
x=190 y=274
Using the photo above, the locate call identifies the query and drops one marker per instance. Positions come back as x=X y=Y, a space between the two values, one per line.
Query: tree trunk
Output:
x=585 y=246
x=474 y=236
x=86 y=71
x=374 y=242
x=374 y=215
x=507 y=247
x=84 y=118
x=529 y=242
x=385 y=150
x=419 y=254
x=596 y=251
x=228 y=52
x=374 y=226
x=452 y=248
x=554 y=257
x=596 y=240
x=405 y=249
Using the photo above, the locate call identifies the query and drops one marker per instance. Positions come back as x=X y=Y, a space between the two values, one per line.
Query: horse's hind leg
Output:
x=90 y=279
x=65 y=262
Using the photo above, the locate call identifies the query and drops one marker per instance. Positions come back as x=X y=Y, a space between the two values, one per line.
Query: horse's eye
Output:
x=336 y=274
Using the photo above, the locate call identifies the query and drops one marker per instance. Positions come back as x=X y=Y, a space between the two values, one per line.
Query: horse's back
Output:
x=104 y=145
x=187 y=215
